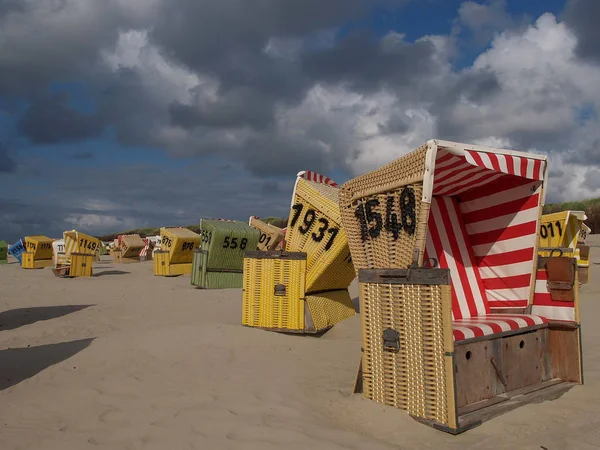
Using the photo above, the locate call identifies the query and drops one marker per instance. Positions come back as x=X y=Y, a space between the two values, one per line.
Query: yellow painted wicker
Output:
x=273 y=291
x=314 y=227
x=274 y=296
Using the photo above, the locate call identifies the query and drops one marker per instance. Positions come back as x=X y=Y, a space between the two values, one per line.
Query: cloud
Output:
x=255 y=91
x=7 y=164
x=484 y=20
x=50 y=120
x=581 y=16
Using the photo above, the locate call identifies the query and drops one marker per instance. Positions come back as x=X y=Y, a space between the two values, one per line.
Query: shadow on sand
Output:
x=19 y=364
x=15 y=318
x=110 y=272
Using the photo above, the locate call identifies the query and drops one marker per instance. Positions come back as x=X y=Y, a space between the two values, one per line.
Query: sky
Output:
x=118 y=114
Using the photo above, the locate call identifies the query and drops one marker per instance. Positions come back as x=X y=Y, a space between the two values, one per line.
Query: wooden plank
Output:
x=564 y=354
x=535 y=394
x=475 y=376
x=524 y=360
x=480 y=405
x=405 y=276
x=274 y=254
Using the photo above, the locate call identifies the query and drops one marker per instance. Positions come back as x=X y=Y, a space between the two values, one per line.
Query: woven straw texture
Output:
x=318 y=232
x=261 y=307
x=206 y=278
x=329 y=308
x=419 y=377
x=180 y=243
x=40 y=246
x=270 y=235
x=388 y=182
x=226 y=242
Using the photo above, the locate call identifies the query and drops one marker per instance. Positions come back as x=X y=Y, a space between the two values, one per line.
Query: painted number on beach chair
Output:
x=371 y=221
x=61 y=247
x=187 y=246
x=232 y=243
x=545 y=228
x=264 y=239
x=309 y=219
x=85 y=244
x=167 y=242
x=206 y=236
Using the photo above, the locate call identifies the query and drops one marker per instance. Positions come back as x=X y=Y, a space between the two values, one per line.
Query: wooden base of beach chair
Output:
x=498 y=375
x=61 y=271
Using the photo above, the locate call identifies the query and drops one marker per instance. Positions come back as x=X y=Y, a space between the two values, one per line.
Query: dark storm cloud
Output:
x=7 y=164
x=134 y=201
x=582 y=17
x=476 y=86
x=397 y=123
x=206 y=34
x=277 y=154
x=368 y=63
x=82 y=155
x=236 y=108
x=51 y=120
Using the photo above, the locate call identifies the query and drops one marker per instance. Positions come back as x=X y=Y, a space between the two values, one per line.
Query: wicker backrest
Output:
x=314 y=227
x=226 y=242
x=384 y=215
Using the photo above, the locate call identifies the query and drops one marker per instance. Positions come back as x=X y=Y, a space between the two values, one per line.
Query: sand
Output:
x=126 y=360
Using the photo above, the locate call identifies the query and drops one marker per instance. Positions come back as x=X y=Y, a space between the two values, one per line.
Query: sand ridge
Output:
x=126 y=360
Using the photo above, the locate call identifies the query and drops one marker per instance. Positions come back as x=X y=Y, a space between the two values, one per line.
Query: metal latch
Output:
x=280 y=290
x=391 y=340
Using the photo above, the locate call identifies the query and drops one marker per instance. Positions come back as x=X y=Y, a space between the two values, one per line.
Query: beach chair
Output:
x=564 y=230
x=129 y=248
x=38 y=252
x=177 y=252
x=3 y=252
x=80 y=249
x=303 y=289
x=219 y=262
x=146 y=251
x=58 y=253
x=271 y=236
x=454 y=330
x=17 y=249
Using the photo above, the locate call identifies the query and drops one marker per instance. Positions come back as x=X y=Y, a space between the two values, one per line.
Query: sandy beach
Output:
x=126 y=360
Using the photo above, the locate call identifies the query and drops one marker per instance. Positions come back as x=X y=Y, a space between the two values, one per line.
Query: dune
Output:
x=126 y=360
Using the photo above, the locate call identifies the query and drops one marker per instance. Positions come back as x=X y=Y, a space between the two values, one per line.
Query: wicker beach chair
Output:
x=303 y=289
x=453 y=329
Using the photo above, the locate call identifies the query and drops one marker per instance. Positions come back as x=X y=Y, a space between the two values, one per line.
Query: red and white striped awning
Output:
x=485 y=208
x=315 y=178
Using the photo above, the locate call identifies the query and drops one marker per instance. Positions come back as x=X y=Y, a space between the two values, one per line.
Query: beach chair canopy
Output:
x=473 y=209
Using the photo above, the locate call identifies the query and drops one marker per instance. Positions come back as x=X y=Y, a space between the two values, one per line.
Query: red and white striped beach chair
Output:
x=460 y=319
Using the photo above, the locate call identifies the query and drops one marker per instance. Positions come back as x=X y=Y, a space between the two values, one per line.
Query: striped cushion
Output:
x=493 y=324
